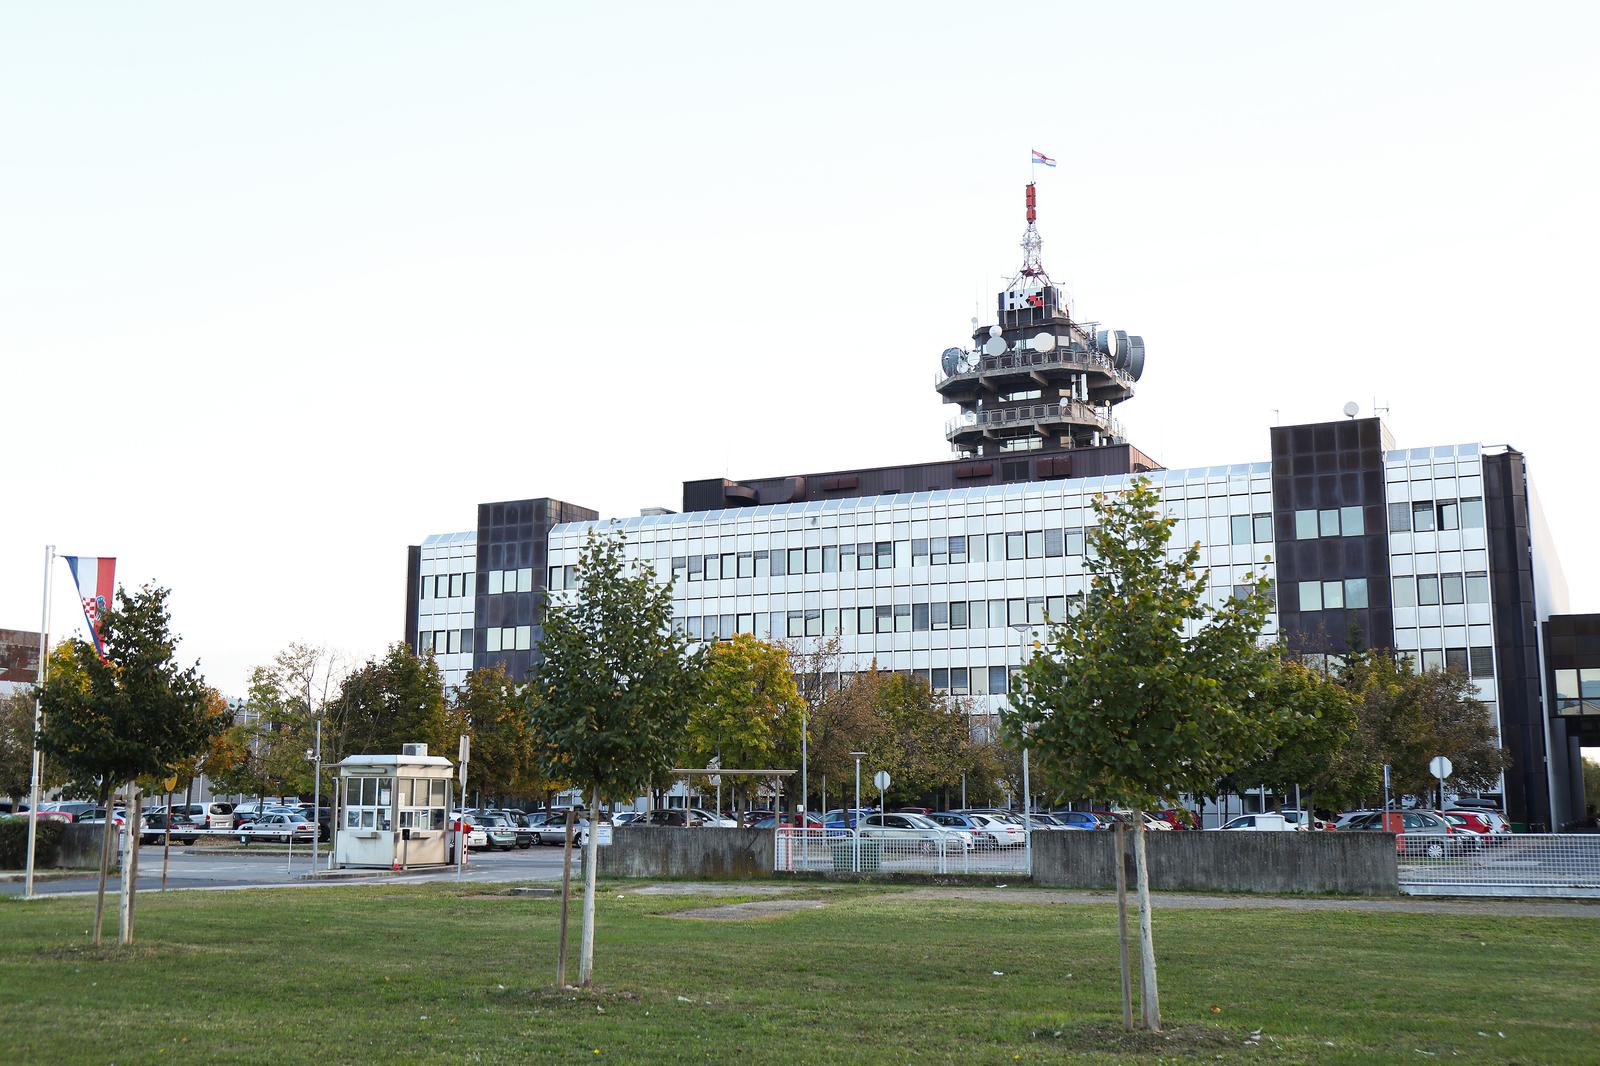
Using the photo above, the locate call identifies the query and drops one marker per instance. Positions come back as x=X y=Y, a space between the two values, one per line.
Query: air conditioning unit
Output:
x=413 y=749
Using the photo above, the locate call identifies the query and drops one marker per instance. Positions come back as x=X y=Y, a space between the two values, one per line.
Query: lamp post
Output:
x=805 y=784
x=315 y=756
x=1027 y=798
x=855 y=813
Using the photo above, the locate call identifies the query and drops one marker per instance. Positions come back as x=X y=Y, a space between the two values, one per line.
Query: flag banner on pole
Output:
x=1042 y=160
x=96 y=579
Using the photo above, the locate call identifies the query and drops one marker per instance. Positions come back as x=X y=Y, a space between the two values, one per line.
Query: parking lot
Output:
x=237 y=867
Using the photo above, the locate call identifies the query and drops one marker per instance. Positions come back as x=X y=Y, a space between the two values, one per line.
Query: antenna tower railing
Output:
x=1074 y=412
x=1030 y=360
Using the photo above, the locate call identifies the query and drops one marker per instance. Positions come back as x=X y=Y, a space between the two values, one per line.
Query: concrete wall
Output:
x=660 y=851
x=80 y=846
x=1359 y=863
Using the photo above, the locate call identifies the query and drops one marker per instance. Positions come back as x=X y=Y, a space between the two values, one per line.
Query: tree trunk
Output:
x=590 y=861
x=1122 y=924
x=105 y=864
x=1149 y=998
x=566 y=896
x=130 y=867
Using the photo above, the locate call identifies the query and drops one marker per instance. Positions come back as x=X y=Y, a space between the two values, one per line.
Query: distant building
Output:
x=19 y=659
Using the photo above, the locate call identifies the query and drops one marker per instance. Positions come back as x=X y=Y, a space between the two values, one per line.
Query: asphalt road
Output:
x=189 y=869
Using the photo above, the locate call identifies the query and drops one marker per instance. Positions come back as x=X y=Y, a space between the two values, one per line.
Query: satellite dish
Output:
x=1135 y=360
x=1119 y=349
x=974 y=322
x=1351 y=409
x=950 y=361
x=995 y=331
x=1044 y=342
x=969 y=361
x=994 y=345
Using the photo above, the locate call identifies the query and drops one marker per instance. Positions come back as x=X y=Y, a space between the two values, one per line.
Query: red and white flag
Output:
x=95 y=577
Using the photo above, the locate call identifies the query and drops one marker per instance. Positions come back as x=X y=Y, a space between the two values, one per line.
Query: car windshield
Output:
x=918 y=821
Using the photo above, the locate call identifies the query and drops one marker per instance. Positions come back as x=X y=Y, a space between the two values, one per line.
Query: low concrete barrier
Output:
x=661 y=851
x=1355 y=863
x=80 y=846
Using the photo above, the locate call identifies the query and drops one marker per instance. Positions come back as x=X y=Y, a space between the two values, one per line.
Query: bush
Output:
x=14 y=842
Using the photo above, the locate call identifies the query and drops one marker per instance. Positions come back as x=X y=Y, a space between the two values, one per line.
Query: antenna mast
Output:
x=1032 y=261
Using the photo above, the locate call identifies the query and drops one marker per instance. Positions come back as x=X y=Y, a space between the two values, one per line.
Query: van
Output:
x=213 y=815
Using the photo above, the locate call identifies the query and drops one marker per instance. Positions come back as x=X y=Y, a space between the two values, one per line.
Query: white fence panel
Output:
x=871 y=850
x=1519 y=864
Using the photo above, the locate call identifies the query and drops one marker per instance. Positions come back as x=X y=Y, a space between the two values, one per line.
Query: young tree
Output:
x=1148 y=691
x=922 y=737
x=612 y=695
x=748 y=716
x=1316 y=722
x=398 y=699
x=134 y=714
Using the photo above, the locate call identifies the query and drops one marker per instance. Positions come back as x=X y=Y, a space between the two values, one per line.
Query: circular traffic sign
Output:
x=881 y=780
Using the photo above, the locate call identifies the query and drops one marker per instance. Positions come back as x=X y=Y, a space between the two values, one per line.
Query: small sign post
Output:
x=881 y=779
x=1440 y=767
x=463 y=754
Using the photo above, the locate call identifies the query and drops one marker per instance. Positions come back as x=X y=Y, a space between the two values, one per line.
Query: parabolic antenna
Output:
x=994 y=345
x=1044 y=342
x=950 y=361
x=1135 y=365
x=1102 y=341
x=1351 y=409
x=1119 y=349
x=995 y=331
x=969 y=361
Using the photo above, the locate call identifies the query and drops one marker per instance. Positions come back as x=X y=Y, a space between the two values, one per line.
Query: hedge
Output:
x=14 y=842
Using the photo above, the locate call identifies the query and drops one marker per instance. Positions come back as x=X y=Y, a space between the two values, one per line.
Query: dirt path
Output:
x=1522 y=908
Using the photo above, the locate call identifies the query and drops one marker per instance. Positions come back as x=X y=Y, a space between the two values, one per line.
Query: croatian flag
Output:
x=1040 y=159
x=96 y=579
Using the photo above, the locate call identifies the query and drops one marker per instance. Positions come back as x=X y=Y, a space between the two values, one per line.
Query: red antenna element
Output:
x=1033 y=204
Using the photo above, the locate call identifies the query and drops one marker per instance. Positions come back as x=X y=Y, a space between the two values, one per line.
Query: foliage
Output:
x=136 y=714
x=16 y=747
x=227 y=748
x=1149 y=691
x=841 y=717
x=1312 y=740
x=14 y=842
x=749 y=713
x=610 y=701
x=396 y=700
x=1408 y=718
x=921 y=738
x=1591 y=788
x=505 y=761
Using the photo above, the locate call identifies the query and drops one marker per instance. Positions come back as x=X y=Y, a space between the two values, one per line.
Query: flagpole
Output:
x=38 y=723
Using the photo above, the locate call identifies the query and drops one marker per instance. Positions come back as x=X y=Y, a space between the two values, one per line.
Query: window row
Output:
x=443 y=586
x=1431 y=590
x=1427 y=516
x=878 y=555
x=1329 y=522
x=508 y=638
x=1475 y=662
x=884 y=618
x=1578 y=691
x=444 y=641
x=1250 y=529
x=510 y=580
x=1333 y=595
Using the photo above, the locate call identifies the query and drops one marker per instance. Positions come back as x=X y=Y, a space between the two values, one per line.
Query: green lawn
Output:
x=427 y=975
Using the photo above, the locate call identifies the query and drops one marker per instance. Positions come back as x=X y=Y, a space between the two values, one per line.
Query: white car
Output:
x=928 y=835
x=1261 y=823
x=281 y=826
x=998 y=832
x=477 y=835
x=713 y=819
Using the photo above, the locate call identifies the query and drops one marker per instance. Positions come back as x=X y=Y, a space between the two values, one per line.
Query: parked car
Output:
x=1045 y=820
x=1260 y=823
x=1080 y=819
x=1178 y=818
x=1478 y=820
x=476 y=835
x=624 y=817
x=1150 y=820
x=929 y=836
x=924 y=811
x=97 y=816
x=500 y=832
x=157 y=825
x=845 y=817
x=986 y=830
x=750 y=818
x=1416 y=833
x=713 y=819
x=672 y=816
x=790 y=821
x=282 y=826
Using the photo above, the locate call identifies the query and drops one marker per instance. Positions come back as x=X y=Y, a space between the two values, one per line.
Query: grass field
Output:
x=429 y=974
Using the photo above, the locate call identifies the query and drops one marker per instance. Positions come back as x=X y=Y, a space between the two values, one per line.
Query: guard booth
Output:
x=394 y=810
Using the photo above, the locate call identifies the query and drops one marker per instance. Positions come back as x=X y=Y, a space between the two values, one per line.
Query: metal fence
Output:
x=872 y=850
x=1520 y=864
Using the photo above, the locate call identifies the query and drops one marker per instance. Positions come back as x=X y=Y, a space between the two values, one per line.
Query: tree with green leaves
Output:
x=749 y=713
x=16 y=747
x=1151 y=690
x=610 y=700
x=134 y=714
x=395 y=700
x=1410 y=717
x=923 y=738
x=1315 y=726
x=505 y=760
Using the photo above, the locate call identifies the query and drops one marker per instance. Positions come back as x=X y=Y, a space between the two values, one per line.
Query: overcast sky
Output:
x=285 y=288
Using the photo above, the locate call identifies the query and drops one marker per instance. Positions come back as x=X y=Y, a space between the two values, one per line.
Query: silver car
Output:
x=928 y=836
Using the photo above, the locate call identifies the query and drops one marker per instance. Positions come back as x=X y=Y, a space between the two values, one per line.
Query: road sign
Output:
x=170 y=783
x=463 y=756
x=602 y=836
x=881 y=780
x=1440 y=767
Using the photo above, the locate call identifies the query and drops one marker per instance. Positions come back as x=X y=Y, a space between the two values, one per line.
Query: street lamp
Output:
x=1027 y=798
x=855 y=814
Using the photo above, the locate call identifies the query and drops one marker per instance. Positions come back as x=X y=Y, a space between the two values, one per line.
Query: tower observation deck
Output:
x=1036 y=380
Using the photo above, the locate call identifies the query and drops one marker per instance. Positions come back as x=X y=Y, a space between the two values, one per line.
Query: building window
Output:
x=1455 y=659
x=958 y=614
x=491 y=637
x=1478 y=587
x=1241 y=529
x=919 y=618
x=1399 y=518
x=1427 y=590
x=1020 y=394
x=1432 y=660
x=1450 y=589
x=1305 y=525
x=1074 y=538
x=1405 y=592
x=1472 y=513
x=467 y=641
x=1311 y=595
x=1355 y=592
x=1352 y=522
x=1422 y=516
x=1014 y=549
x=1449 y=515
x=1482 y=661
x=958 y=550
x=1332 y=595
x=1030 y=443
x=524 y=638
x=1328 y=522
x=711 y=569
x=997 y=680
x=1263 y=528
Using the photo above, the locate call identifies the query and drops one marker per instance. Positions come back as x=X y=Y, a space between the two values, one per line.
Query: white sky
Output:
x=284 y=288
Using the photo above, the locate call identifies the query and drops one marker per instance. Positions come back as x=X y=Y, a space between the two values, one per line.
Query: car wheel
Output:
x=1434 y=850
